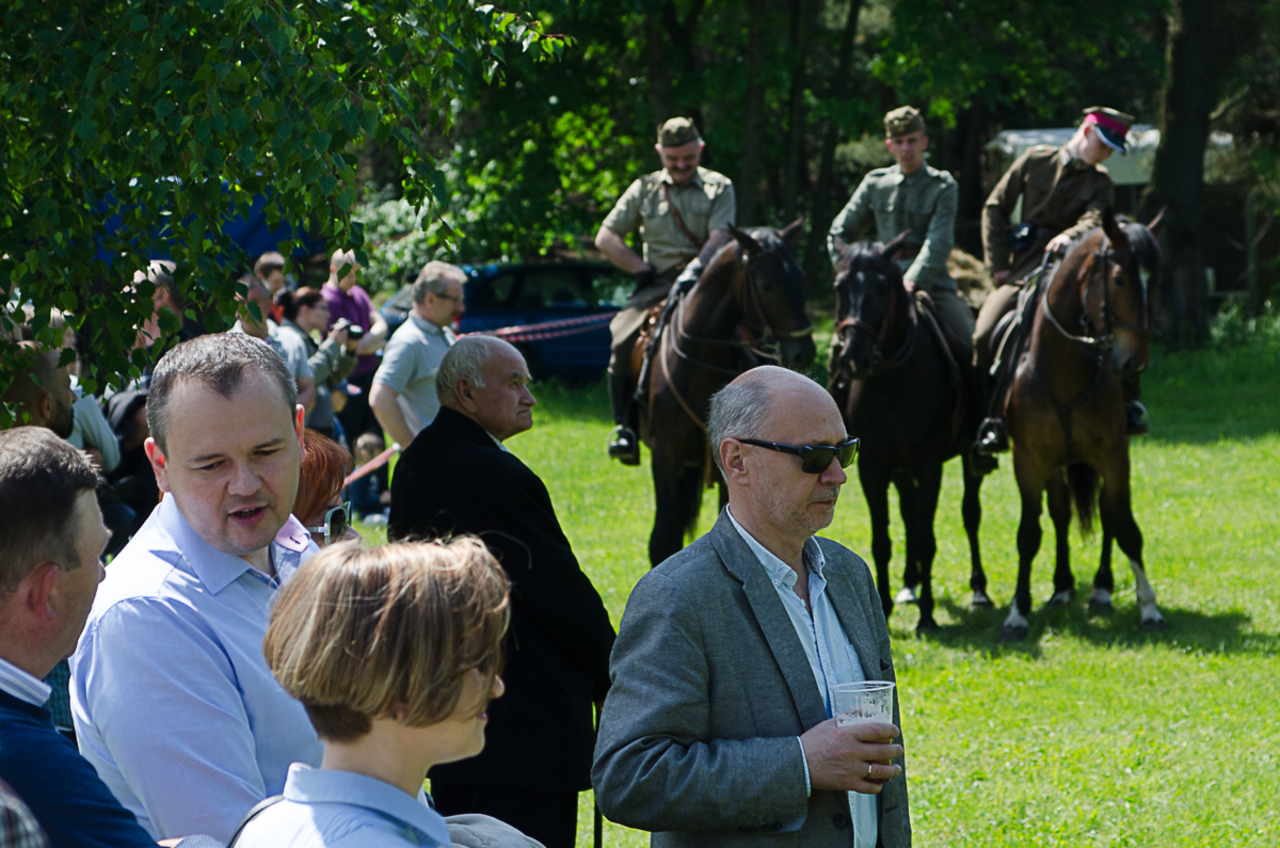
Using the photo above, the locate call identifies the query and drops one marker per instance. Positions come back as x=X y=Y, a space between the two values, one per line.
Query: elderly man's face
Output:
x=681 y=161
x=797 y=504
x=504 y=406
x=442 y=309
x=231 y=464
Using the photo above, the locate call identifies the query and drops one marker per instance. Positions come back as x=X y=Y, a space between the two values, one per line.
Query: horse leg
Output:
x=971 y=509
x=1031 y=482
x=906 y=487
x=1104 y=581
x=668 y=519
x=875 y=488
x=1059 y=497
x=1117 y=513
x=925 y=546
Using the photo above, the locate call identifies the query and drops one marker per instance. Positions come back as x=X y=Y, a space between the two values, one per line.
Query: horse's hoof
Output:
x=1154 y=625
x=981 y=601
x=1063 y=598
x=1099 y=606
x=926 y=626
x=1014 y=632
x=906 y=595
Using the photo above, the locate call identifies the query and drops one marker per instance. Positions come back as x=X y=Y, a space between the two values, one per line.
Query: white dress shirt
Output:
x=832 y=658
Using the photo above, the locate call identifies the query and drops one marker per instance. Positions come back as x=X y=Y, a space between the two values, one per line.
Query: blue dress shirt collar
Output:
x=307 y=785
x=23 y=686
x=217 y=569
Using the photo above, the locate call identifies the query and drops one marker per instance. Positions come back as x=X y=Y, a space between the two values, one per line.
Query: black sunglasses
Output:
x=336 y=522
x=814 y=459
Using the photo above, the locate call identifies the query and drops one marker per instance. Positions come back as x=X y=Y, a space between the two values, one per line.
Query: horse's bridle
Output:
x=751 y=300
x=853 y=322
x=1101 y=342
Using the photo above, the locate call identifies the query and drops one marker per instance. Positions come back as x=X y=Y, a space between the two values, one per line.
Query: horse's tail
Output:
x=1083 y=480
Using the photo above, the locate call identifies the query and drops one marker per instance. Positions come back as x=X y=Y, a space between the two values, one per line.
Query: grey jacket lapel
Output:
x=772 y=617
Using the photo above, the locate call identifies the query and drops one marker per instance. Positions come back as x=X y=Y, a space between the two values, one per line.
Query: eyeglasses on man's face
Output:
x=814 y=459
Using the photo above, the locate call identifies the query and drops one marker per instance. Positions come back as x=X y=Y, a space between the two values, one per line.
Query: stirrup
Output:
x=1136 y=420
x=992 y=438
x=624 y=446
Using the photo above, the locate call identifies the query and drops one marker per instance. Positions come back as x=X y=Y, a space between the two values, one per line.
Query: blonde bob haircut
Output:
x=362 y=634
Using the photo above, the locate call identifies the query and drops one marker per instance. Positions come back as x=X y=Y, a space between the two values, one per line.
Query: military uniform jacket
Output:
x=1059 y=195
x=705 y=203
x=923 y=202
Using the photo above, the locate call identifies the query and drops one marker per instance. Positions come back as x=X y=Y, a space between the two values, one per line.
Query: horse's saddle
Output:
x=644 y=340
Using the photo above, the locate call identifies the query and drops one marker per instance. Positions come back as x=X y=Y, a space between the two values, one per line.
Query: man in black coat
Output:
x=456 y=477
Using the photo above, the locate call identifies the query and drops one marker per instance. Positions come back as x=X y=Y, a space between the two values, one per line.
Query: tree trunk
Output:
x=1178 y=178
x=747 y=186
x=659 y=71
x=969 y=211
x=803 y=20
x=824 y=190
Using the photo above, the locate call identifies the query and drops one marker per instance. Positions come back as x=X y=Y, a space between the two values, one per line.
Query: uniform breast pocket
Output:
x=884 y=202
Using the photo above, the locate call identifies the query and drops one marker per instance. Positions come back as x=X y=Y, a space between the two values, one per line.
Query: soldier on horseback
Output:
x=683 y=212
x=911 y=196
x=1063 y=192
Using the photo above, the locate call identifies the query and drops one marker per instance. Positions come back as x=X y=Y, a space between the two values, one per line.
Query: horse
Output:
x=748 y=299
x=1065 y=410
x=910 y=402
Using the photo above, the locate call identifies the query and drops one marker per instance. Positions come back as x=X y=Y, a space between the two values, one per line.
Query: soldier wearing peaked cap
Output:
x=914 y=197
x=1064 y=191
x=683 y=212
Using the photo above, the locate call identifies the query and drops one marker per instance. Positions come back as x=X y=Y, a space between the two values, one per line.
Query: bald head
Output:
x=745 y=408
x=43 y=395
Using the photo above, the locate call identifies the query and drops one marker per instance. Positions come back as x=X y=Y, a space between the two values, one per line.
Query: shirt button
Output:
x=840 y=820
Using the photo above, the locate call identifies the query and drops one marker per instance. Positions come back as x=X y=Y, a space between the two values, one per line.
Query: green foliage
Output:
x=171 y=115
x=1232 y=327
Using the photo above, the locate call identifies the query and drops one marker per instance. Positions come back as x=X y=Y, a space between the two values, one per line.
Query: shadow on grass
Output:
x=1226 y=633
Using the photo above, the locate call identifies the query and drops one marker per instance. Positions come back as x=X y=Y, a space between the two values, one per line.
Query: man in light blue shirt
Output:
x=172 y=699
x=719 y=726
x=404 y=389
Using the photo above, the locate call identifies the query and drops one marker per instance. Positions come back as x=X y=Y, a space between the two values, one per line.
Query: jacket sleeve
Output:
x=546 y=578
x=851 y=221
x=655 y=767
x=1103 y=195
x=331 y=362
x=930 y=264
x=995 y=216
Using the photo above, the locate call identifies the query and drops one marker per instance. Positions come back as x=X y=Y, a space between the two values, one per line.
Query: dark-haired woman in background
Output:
x=305 y=311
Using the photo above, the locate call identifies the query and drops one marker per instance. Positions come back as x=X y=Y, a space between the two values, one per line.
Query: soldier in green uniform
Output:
x=1064 y=191
x=915 y=197
x=683 y=212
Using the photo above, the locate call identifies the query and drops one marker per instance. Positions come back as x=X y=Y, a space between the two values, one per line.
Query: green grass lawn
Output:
x=1091 y=732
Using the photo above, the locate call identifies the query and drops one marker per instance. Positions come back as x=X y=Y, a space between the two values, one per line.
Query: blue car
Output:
x=498 y=296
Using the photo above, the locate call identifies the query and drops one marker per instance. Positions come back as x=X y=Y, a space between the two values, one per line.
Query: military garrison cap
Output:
x=902 y=121
x=677 y=131
x=1112 y=126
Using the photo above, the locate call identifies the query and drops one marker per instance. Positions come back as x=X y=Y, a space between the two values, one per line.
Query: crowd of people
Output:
x=244 y=671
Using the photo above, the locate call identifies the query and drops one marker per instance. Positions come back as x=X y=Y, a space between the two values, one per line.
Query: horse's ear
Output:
x=1157 y=223
x=790 y=231
x=1112 y=228
x=749 y=244
x=891 y=249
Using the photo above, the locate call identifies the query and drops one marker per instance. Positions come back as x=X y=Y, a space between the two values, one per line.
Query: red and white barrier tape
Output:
x=550 y=329
x=372 y=465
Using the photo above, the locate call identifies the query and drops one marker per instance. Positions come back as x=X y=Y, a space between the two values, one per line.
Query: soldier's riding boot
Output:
x=624 y=445
x=1137 y=423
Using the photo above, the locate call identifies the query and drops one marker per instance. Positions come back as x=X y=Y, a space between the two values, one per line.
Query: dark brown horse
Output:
x=1065 y=410
x=748 y=303
x=911 y=403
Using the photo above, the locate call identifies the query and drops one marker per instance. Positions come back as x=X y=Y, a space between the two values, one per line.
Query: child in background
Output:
x=370 y=501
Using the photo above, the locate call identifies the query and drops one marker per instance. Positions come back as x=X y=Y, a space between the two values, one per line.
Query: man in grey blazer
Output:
x=717 y=729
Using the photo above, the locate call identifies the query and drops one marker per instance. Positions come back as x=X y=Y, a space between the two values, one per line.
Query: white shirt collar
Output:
x=23 y=686
x=779 y=571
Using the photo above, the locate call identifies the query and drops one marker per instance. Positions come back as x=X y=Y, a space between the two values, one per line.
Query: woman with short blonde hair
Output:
x=395 y=653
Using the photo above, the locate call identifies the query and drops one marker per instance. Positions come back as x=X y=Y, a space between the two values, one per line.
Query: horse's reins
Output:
x=1097 y=346
x=903 y=354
